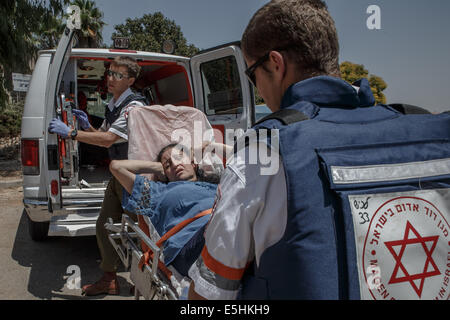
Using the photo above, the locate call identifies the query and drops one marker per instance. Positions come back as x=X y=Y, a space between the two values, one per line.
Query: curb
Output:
x=11 y=183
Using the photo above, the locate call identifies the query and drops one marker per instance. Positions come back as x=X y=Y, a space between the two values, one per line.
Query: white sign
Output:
x=21 y=81
x=121 y=43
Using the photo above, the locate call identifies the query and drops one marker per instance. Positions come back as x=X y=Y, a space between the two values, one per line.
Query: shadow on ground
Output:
x=50 y=259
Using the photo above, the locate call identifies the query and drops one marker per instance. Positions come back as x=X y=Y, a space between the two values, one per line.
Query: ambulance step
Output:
x=78 y=223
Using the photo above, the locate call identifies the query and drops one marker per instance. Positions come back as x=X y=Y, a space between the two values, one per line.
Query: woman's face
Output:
x=177 y=165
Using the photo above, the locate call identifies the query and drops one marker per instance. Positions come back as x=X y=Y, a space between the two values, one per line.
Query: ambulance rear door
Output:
x=222 y=90
x=54 y=102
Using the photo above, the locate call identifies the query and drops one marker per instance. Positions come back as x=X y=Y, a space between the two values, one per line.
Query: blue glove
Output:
x=59 y=127
x=82 y=118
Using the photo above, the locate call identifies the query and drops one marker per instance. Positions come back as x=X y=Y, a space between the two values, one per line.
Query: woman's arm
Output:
x=125 y=171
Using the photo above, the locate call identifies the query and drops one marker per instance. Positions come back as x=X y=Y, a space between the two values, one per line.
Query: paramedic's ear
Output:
x=131 y=81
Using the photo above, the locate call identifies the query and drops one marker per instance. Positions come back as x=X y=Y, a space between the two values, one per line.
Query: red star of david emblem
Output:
x=398 y=259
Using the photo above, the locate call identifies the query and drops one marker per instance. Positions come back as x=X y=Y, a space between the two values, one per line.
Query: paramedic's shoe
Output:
x=106 y=285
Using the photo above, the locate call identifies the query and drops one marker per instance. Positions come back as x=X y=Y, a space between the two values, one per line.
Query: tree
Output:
x=149 y=32
x=90 y=35
x=352 y=72
x=377 y=84
x=50 y=28
x=258 y=98
x=20 y=23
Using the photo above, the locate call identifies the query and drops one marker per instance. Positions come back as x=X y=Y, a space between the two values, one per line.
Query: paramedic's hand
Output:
x=82 y=118
x=59 y=127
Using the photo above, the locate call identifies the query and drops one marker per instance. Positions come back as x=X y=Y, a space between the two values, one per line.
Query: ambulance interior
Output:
x=160 y=82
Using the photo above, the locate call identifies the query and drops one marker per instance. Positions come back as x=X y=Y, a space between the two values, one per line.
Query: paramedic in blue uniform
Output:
x=113 y=134
x=274 y=236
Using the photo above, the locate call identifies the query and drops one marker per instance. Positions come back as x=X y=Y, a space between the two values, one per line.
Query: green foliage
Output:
x=149 y=32
x=4 y=95
x=21 y=30
x=27 y=26
x=90 y=35
x=352 y=72
x=377 y=84
x=258 y=98
x=11 y=120
x=50 y=28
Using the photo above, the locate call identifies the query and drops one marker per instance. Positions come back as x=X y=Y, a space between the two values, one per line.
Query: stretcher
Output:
x=138 y=244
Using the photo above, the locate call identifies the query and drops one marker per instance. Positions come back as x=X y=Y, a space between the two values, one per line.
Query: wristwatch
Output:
x=73 y=134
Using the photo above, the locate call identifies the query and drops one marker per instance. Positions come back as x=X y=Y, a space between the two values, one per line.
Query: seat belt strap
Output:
x=148 y=254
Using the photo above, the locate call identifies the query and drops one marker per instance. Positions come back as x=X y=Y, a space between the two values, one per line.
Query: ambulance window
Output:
x=91 y=83
x=221 y=86
x=96 y=105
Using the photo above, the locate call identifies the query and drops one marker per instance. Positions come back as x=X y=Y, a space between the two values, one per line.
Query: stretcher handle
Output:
x=127 y=220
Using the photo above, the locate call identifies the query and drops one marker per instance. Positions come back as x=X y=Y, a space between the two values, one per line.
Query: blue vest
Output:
x=317 y=256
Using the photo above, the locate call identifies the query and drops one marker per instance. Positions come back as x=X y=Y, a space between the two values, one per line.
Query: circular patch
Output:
x=406 y=252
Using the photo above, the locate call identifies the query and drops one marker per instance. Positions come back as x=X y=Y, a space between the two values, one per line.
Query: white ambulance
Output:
x=64 y=181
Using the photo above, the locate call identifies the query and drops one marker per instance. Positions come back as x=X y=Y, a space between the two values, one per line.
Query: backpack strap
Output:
x=285 y=116
x=408 y=109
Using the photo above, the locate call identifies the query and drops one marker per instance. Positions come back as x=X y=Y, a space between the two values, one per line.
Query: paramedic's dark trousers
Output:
x=111 y=208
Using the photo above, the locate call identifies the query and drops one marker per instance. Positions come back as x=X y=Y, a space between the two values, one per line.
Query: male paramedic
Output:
x=291 y=234
x=113 y=134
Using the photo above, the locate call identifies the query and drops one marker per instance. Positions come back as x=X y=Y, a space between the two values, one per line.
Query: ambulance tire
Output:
x=38 y=231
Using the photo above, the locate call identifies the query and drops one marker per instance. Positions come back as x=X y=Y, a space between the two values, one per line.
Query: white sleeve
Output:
x=120 y=126
x=250 y=215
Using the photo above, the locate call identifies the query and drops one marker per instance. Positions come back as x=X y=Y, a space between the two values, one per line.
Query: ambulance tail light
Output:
x=30 y=156
x=54 y=188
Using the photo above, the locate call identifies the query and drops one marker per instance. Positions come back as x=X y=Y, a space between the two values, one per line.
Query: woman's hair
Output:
x=211 y=177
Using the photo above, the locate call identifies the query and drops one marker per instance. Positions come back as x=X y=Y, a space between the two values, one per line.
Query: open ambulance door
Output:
x=56 y=101
x=222 y=90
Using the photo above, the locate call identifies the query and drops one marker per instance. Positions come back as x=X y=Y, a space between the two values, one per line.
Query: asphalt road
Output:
x=38 y=270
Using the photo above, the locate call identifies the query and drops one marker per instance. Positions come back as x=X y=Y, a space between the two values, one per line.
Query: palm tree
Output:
x=23 y=28
x=90 y=35
x=50 y=31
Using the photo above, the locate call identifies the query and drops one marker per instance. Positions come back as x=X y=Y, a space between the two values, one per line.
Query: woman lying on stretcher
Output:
x=188 y=192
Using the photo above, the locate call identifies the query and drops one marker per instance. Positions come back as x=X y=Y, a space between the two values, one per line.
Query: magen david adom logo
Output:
x=403 y=244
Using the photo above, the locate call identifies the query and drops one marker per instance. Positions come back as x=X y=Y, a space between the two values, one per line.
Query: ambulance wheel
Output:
x=38 y=231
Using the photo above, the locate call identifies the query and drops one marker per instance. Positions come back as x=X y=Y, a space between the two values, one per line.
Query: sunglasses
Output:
x=250 y=71
x=116 y=75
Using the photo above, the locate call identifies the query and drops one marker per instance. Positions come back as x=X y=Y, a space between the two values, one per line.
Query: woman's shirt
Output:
x=169 y=204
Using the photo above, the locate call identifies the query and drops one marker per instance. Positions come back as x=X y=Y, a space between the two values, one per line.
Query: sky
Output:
x=410 y=52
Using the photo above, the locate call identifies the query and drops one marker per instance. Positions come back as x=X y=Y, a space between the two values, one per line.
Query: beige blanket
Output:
x=150 y=128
